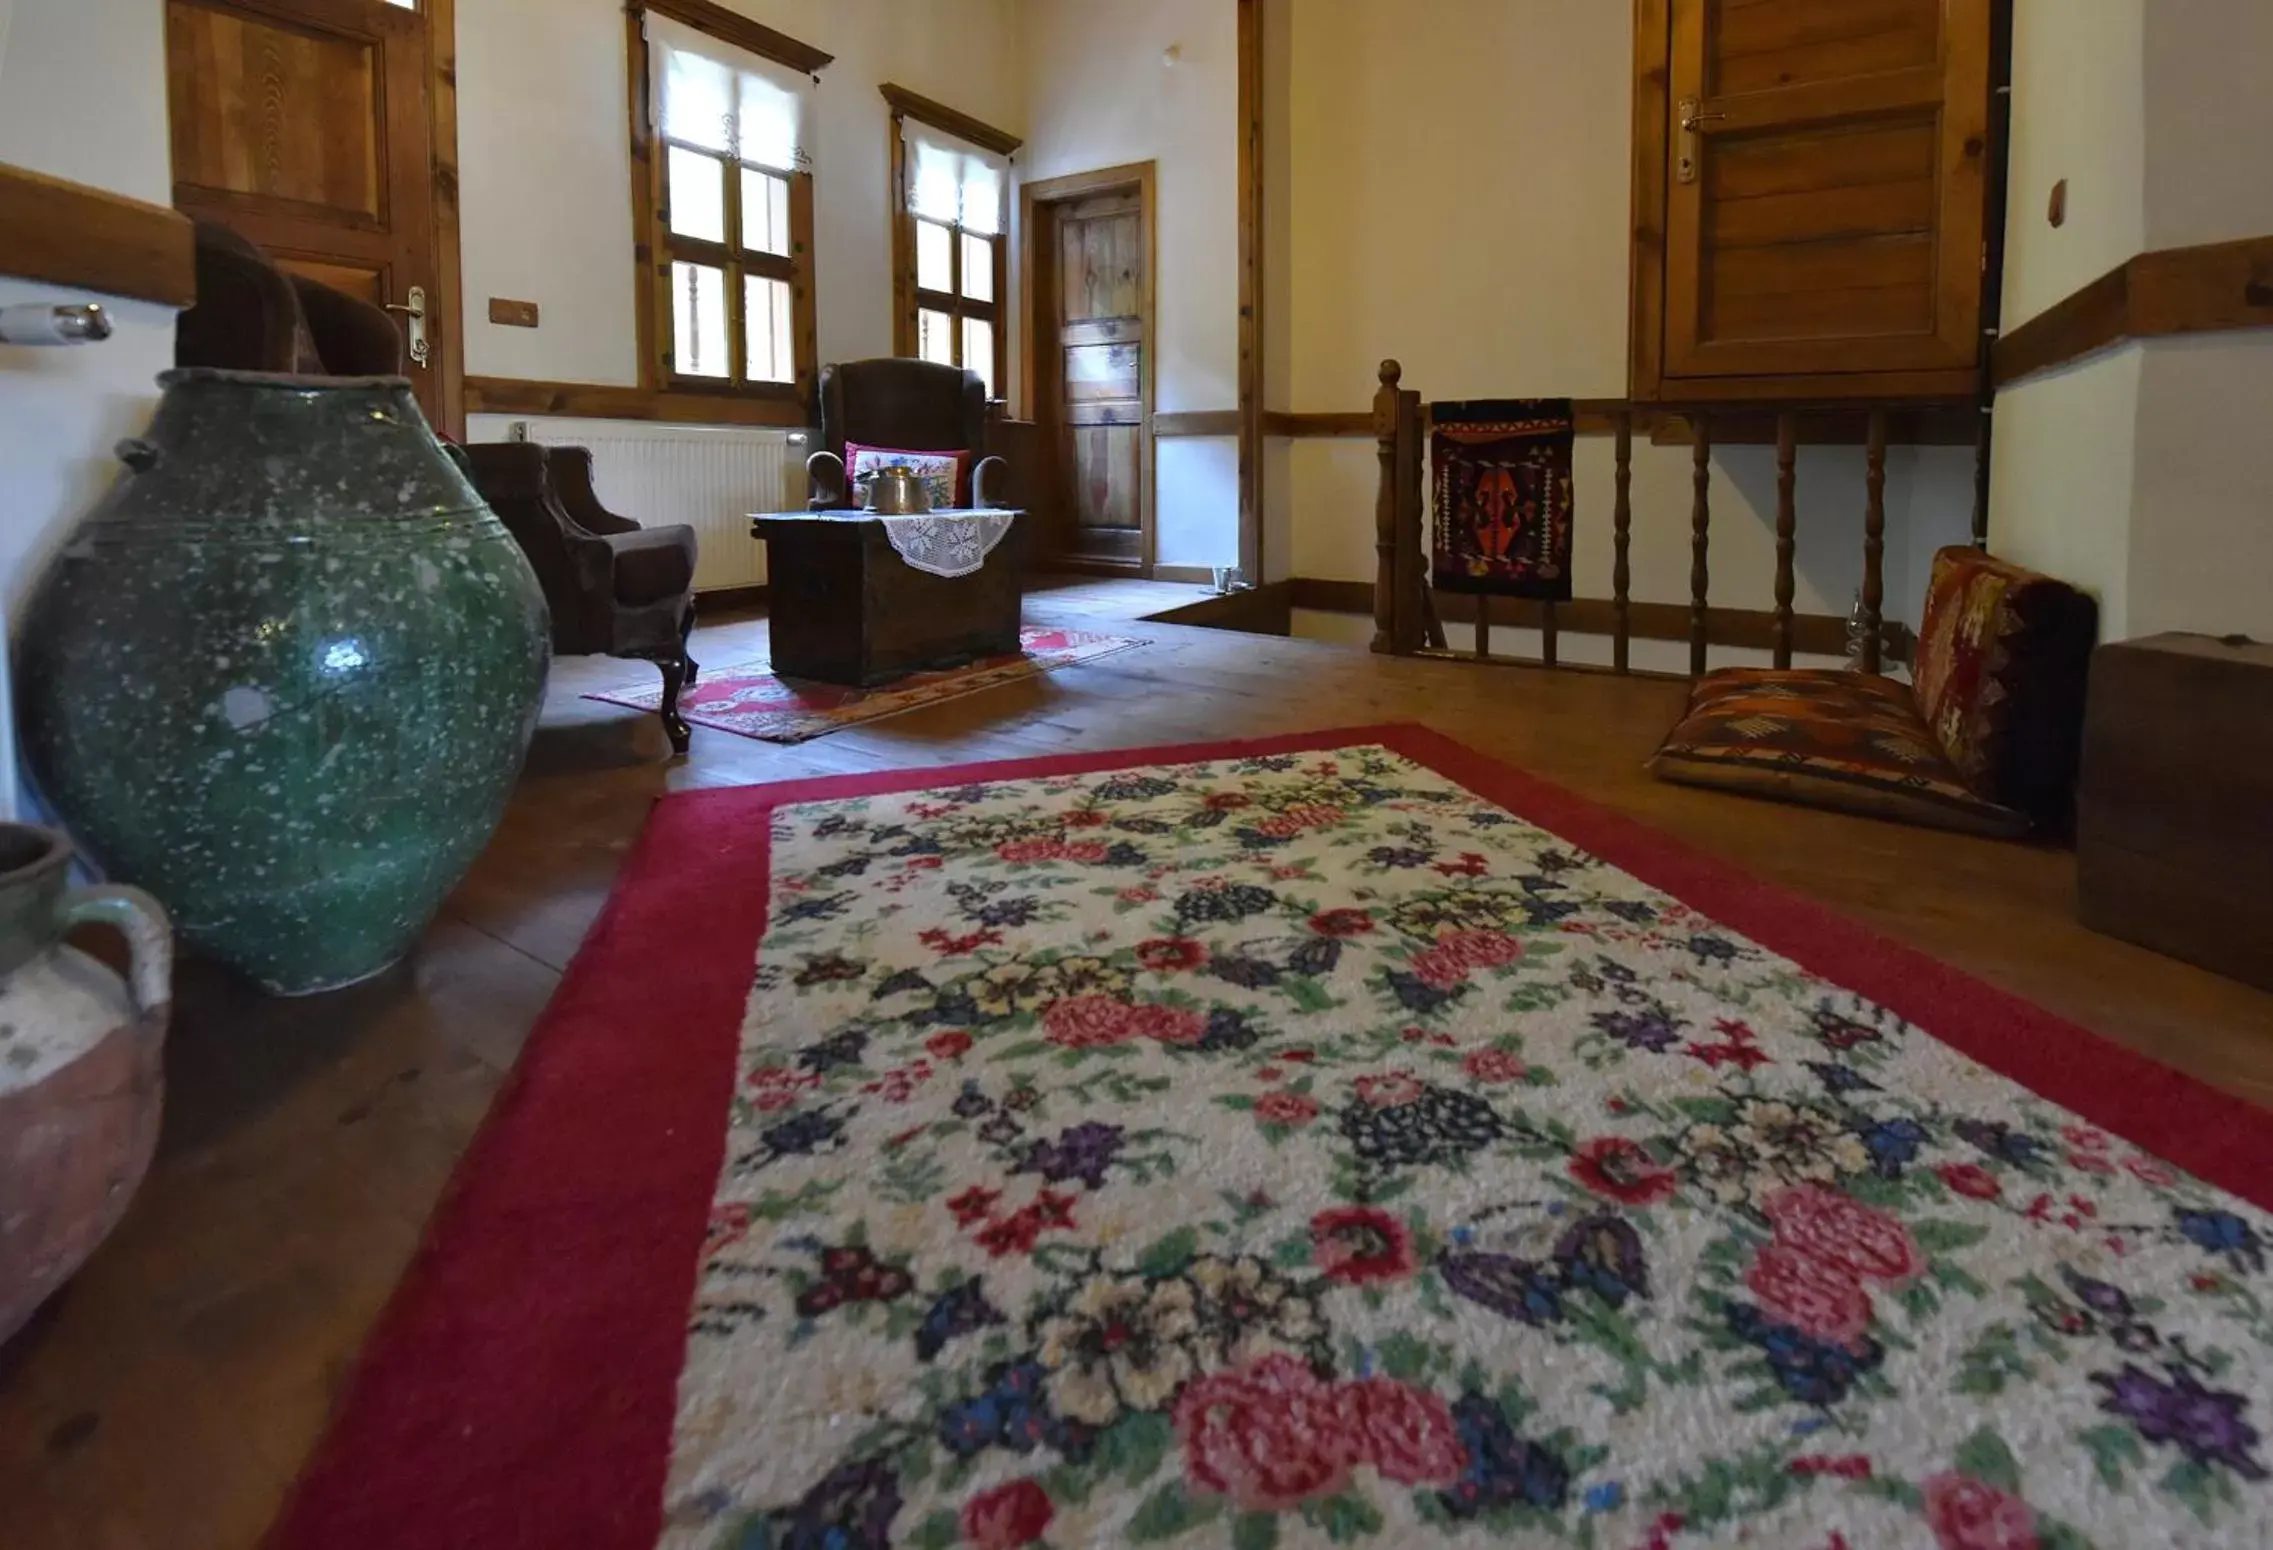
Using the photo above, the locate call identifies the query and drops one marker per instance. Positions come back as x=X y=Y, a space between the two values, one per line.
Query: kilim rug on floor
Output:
x=746 y=697
x=1333 y=1139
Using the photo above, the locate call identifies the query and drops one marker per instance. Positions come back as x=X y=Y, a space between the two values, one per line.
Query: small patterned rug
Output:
x=747 y=698
x=1327 y=1140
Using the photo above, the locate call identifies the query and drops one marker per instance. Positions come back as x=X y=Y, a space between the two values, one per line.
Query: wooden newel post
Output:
x=1385 y=599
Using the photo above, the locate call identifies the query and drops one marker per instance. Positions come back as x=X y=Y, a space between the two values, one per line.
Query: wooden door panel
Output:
x=303 y=125
x=274 y=112
x=1826 y=217
x=1092 y=256
x=1107 y=468
x=364 y=284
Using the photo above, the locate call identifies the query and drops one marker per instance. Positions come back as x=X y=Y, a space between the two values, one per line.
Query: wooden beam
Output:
x=1197 y=422
x=1250 y=175
x=1787 y=520
x=737 y=29
x=942 y=117
x=600 y=401
x=449 y=271
x=2212 y=288
x=1700 y=530
x=91 y=239
x=1819 y=635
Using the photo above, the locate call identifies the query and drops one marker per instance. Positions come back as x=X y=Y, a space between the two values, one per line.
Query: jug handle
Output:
x=149 y=940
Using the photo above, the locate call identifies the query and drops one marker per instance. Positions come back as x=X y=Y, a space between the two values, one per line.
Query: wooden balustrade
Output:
x=1405 y=616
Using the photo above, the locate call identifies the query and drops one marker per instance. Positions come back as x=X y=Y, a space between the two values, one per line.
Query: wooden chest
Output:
x=2174 y=821
x=844 y=607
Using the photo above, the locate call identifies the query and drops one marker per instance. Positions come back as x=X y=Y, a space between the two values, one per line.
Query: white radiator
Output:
x=710 y=477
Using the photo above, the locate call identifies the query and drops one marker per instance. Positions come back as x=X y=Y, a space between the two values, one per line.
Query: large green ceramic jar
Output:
x=284 y=674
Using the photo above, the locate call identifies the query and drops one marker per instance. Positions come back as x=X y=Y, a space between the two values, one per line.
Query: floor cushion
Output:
x=1828 y=738
x=2003 y=654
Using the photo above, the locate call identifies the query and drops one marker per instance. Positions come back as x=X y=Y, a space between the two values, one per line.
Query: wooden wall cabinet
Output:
x=1812 y=196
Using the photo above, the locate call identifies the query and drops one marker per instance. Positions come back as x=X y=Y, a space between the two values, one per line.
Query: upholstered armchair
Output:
x=252 y=316
x=615 y=588
x=904 y=406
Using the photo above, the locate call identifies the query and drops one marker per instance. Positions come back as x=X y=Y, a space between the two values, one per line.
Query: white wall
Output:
x=82 y=96
x=2141 y=473
x=1100 y=93
x=1479 y=234
x=545 y=164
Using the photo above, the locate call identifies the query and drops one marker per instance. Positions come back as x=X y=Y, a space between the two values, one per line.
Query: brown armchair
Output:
x=615 y=588
x=916 y=406
x=252 y=316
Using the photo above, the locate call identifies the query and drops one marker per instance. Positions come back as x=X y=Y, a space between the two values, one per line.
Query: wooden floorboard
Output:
x=165 y=1399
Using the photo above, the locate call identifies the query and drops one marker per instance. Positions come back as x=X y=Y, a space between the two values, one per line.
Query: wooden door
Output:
x=1094 y=308
x=1825 y=178
x=304 y=126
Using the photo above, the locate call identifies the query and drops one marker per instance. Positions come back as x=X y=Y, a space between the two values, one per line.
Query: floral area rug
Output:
x=1337 y=1140
x=748 y=699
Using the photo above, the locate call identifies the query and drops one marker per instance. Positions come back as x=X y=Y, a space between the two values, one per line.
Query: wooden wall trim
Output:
x=1198 y=422
x=737 y=29
x=942 y=117
x=2212 y=288
x=601 y=401
x=1822 y=635
x=449 y=269
x=86 y=238
x=1250 y=383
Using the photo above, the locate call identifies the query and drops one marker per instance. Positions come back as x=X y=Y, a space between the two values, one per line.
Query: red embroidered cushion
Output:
x=2002 y=658
x=945 y=474
x=1849 y=741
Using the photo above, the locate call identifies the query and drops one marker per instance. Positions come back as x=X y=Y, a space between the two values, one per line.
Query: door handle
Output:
x=1689 y=112
x=414 y=310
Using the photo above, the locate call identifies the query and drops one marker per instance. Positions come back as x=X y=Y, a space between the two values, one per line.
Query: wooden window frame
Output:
x=656 y=247
x=908 y=298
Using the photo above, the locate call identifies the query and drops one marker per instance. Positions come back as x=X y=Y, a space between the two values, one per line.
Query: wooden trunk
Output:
x=2174 y=844
x=845 y=608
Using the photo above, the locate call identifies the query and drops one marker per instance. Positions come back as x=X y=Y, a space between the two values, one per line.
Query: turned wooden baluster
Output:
x=1874 y=538
x=1621 y=534
x=1549 y=648
x=1483 y=625
x=1787 y=519
x=1385 y=428
x=1700 y=528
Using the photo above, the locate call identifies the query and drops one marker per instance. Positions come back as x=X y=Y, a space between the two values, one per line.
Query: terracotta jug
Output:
x=79 y=1069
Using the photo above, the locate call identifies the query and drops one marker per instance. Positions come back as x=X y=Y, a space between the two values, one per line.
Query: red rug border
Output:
x=406 y=1466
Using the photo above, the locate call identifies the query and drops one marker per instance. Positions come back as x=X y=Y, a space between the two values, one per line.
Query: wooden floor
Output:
x=165 y=1399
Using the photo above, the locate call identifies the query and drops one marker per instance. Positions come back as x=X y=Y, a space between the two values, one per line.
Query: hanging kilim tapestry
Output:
x=1503 y=496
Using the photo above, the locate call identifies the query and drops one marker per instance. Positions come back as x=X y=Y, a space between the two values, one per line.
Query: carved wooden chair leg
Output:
x=675 y=678
x=687 y=629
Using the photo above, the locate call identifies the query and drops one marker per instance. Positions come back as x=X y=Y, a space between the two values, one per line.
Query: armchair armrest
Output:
x=826 y=489
x=989 y=482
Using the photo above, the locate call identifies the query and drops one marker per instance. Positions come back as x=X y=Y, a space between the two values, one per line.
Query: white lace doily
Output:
x=947 y=543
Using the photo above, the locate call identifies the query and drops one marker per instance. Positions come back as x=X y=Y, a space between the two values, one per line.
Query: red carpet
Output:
x=519 y=1391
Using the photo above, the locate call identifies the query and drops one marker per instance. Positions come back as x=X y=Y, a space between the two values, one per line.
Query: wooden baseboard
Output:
x=1197 y=575
x=1821 y=635
x=2212 y=288
x=69 y=234
x=600 y=401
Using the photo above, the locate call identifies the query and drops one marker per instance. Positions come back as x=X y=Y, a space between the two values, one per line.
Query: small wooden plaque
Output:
x=513 y=314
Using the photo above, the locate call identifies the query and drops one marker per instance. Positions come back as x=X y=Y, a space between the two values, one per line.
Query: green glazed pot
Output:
x=284 y=674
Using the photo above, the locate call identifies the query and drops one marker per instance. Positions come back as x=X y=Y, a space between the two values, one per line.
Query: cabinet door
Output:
x=1825 y=192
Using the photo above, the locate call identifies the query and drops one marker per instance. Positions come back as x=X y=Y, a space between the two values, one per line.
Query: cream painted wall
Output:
x=1101 y=91
x=546 y=172
x=82 y=96
x=1478 y=233
x=2079 y=104
x=2141 y=473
